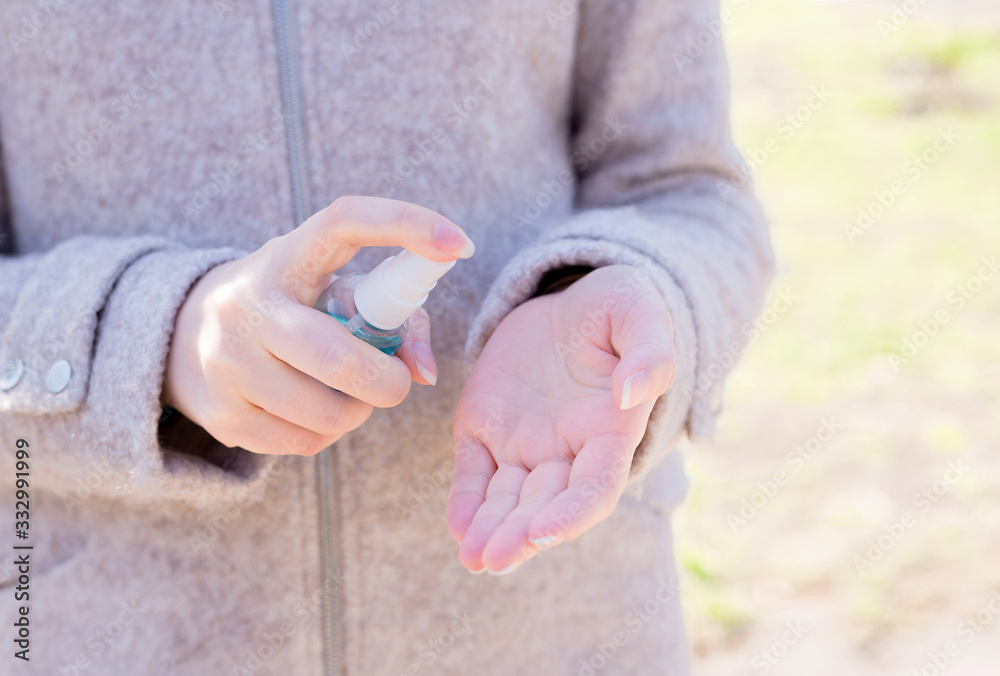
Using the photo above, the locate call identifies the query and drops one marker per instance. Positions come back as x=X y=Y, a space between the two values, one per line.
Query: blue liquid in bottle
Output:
x=338 y=302
x=387 y=341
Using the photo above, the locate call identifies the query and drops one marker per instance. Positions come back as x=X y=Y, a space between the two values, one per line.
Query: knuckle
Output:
x=221 y=363
x=342 y=208
x=238 y=312
x=270 y=251
x=397 y=392
x=273 y=261
x=329 y=420
x=361 y=417
x=338 y=363
x=405 y=216
x=378 y=379
x=391 y=384
x=227 y=302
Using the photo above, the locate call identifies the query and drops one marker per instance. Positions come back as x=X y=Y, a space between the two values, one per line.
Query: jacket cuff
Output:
x=130 y=360
x=107 y=307
x=676 y=411
x=48 y=345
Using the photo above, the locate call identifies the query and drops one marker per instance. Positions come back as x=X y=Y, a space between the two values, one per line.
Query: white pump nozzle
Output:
x=393 y=291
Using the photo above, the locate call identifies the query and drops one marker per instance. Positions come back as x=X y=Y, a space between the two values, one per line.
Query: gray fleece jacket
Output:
x=143 y=145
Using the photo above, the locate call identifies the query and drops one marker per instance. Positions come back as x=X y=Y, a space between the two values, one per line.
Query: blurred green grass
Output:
x=865 y=295
x=858 y=301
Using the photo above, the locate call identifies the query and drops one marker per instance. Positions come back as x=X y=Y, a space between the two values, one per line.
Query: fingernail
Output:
x=635 y=389
x=426 y=365
x=509 y=569
x=451 y=238
x=543 y=541
x=478 y=572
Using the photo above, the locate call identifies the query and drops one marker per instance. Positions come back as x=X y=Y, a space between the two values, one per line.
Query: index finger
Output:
x=329 y=238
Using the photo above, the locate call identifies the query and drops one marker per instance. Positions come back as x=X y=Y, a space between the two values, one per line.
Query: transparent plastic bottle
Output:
x=376 y=307
x=338 y=302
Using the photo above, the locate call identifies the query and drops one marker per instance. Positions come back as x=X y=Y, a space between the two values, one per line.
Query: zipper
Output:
x=291 y=103
x=326 y=461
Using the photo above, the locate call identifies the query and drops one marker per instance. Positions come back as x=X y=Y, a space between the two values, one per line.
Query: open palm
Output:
x=552 y=413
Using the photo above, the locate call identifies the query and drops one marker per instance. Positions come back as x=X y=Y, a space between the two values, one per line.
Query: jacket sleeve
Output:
x=660 y=187
x=85 y=329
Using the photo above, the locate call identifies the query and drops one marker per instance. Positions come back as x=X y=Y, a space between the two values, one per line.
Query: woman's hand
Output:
x=552 y=413
x=256 y=366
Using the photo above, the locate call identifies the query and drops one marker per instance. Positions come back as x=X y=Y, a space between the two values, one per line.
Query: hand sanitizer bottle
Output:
x=375 y=307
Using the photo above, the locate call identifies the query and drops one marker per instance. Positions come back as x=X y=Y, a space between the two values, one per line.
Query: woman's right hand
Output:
x=256 y=366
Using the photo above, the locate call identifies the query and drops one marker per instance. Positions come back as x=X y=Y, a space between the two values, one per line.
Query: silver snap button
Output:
x=58 y=376
x=11 y=374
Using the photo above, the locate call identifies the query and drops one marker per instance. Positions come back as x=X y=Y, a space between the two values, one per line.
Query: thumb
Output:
x=642 y=333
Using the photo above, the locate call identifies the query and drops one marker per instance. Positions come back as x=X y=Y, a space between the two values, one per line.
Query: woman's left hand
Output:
x=552 y=413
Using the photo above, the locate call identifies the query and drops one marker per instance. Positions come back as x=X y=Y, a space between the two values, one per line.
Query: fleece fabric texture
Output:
x=141 y=146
